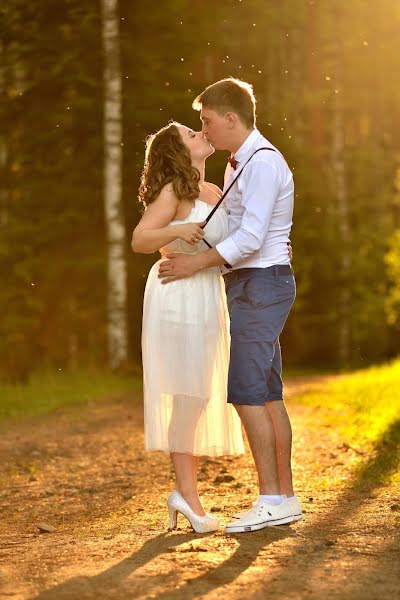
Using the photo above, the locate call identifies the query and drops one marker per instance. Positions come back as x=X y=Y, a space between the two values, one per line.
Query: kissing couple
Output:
x=216 y=303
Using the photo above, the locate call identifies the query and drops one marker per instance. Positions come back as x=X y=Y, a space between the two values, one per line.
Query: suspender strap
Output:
x=230 y=187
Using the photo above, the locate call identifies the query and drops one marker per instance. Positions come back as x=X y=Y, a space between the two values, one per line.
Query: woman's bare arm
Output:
x=155 y=230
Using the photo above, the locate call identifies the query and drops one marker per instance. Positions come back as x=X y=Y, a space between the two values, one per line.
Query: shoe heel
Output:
x=173 y=517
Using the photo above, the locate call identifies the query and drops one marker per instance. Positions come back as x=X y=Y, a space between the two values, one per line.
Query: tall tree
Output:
x=3 y=145
x=340 y=186
x=115 y=225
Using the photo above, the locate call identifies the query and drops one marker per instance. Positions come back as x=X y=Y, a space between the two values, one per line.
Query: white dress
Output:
x=185 y=352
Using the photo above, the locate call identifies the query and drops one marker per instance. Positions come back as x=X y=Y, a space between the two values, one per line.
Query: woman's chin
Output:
x=211 y=150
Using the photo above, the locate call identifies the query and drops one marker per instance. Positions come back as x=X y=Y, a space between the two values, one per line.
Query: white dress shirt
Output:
x=260 y=207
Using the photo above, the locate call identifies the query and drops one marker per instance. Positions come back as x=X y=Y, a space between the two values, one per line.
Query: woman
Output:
x=185 y=338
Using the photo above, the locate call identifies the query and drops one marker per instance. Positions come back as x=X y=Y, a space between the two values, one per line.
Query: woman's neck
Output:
x=201 y=167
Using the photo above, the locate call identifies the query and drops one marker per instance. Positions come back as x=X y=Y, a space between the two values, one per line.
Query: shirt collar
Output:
x=247 y=144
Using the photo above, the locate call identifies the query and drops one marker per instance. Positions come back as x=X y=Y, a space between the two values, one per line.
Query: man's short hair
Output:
x=229 y=95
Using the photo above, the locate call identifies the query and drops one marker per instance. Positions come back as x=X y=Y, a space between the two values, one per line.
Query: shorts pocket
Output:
x=234 y=293
x=261 y=292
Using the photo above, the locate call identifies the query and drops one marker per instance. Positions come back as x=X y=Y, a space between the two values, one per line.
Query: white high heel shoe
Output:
x=200 y=524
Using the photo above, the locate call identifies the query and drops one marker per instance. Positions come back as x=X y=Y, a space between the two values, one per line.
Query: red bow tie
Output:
x=232 y=161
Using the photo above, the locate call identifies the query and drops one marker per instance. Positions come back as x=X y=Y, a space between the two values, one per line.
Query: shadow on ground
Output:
x=383 y=462
x=110 y=583
x=114 y=583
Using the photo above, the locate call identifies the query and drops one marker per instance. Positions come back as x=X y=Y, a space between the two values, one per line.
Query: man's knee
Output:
x=277 y=406
x=249 y=410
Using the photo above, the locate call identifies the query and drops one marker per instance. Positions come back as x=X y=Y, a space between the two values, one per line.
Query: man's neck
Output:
x=239 y=139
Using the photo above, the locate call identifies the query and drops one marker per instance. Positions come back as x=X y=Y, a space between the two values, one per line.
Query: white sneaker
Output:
x=243 y=513
x=296 y=507
x=262 y=515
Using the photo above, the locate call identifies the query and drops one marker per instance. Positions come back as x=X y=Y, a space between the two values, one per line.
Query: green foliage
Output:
x=52 y=214
x=48 y=391
x=364 y=407
x=392 y=260
x=52 y=240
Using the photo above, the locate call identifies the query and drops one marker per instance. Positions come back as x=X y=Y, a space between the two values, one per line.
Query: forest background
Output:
x=83 y=83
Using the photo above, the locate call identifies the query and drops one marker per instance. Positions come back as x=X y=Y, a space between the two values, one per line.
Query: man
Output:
x=260 y=290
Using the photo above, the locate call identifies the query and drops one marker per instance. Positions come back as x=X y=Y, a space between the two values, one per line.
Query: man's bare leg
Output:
x=283 y=438
x=260 y=433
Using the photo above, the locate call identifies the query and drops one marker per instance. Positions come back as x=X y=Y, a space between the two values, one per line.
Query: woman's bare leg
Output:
x=184 y=419
x=185 y=467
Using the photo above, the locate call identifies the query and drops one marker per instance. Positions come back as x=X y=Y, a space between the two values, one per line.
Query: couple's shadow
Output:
x=112 y=583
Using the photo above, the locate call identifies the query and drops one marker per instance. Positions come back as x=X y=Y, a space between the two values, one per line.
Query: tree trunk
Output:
x=3 y=147
x=296 y=83
x=115 y=225
x=341 y=194
x=314 y=84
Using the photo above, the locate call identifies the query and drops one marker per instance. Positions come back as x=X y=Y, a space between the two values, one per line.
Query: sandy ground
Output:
x=84 y=472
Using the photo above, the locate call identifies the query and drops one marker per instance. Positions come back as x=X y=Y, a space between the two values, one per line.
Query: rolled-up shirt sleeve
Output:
x=260 y=193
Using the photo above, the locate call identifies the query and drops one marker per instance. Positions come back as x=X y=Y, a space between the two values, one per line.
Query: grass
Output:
x=49 y=391
x=365 y=407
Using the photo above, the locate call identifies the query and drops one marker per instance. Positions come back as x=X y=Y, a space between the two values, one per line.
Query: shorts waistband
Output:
x=274 y=271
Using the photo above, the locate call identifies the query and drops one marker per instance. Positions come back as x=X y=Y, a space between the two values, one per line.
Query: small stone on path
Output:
x=223 y=478
x=46 y=528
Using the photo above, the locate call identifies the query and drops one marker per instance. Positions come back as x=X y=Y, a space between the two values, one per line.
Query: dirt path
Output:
x=84 y=472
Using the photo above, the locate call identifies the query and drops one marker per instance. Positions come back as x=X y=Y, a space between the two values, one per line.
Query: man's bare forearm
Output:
x=209 y=258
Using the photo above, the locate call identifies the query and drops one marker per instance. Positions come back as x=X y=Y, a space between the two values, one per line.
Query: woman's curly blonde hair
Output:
x=167 y=160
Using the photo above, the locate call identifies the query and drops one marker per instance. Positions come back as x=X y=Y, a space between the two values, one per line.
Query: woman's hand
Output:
x=290 y=250
x=191 y=233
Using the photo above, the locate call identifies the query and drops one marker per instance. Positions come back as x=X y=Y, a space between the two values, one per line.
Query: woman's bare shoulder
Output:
x=164 y=205
x=166 y=196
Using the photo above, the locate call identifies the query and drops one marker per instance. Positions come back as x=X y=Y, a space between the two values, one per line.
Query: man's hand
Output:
x=178 y=266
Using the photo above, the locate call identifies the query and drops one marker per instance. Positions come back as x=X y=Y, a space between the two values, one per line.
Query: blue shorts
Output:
x=259 y=302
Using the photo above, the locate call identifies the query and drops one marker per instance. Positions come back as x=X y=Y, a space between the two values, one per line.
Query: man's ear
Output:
x=231 y=119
